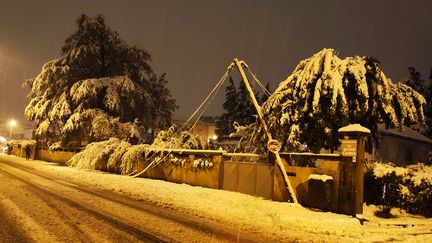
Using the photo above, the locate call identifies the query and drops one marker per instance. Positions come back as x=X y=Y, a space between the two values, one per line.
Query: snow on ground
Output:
x=280 y=221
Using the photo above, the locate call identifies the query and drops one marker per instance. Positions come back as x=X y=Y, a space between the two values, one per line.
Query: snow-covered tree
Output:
x=238 y=108
x=415 y=81
x=325 y=93
x=245 y=110
x=225 y=123
x=428 y=109
x=422 y=86
x=97 y=88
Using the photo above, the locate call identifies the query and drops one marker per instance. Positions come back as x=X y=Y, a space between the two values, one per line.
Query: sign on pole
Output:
x=274 y=146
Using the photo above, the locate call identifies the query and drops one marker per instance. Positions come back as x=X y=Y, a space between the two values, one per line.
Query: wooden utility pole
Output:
x=263 y=123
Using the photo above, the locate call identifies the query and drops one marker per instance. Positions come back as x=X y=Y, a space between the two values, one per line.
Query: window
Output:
x=409 y=155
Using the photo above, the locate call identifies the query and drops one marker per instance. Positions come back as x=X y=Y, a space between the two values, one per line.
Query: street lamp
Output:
x=12 y=124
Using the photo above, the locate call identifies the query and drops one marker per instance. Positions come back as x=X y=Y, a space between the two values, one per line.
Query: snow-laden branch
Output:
x=325 y=93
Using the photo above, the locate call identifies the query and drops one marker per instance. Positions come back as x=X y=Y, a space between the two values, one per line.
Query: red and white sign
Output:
x=274 y=146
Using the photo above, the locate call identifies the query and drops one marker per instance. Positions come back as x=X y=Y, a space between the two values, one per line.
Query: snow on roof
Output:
x=405 y=133
x=354 y=128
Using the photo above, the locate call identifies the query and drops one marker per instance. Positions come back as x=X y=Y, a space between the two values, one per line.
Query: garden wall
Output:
x=17 y=150
x=193 y=167
x=60 y=157
x=219 y=170
x=299 y=177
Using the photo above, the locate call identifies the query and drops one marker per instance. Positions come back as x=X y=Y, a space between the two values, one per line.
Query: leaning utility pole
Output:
x=240 y=65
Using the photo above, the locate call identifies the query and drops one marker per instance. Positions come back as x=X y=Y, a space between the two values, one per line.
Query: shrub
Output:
x=121 y=157
x=95 y=156
x=409 y=188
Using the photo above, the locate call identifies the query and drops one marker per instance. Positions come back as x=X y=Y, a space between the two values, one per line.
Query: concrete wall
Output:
x=209 y=177
x=60 y=157
x=299 y=178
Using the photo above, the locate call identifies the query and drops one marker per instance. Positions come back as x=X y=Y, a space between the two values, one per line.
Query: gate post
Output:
x=352 y=138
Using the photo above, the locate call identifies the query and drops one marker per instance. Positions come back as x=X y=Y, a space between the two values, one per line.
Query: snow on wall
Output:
x=323 y=178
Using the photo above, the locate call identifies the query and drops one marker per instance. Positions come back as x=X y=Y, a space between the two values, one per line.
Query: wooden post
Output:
x=264 y=124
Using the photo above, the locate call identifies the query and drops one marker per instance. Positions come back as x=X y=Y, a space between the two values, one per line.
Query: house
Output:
x=403 y=147
x=204 y=127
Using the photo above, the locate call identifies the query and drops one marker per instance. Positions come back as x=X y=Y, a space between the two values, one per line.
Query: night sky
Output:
x=194 y=41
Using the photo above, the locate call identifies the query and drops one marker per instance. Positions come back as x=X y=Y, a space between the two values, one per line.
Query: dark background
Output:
x=194 y=41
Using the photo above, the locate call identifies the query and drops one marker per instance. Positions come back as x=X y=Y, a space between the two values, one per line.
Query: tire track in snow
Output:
x=139 y=234
x=9 y=230
x=36 y=231
x=56 y=206
x=205 y=226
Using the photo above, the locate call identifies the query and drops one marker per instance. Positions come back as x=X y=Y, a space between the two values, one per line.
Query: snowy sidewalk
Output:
x=276 y=220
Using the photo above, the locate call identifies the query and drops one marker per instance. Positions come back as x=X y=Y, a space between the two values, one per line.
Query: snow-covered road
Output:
x=47 y=208
x=43 y=201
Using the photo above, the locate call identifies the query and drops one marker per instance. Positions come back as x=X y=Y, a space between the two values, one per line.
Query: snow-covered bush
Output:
x=96 y=155
x=325 y=93
x=116 y=158
x=131 y=157
x=246 y=135
x=121 y=157
x=409 y=188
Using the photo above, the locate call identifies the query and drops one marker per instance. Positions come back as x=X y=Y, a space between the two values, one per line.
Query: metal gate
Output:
x=249 y=178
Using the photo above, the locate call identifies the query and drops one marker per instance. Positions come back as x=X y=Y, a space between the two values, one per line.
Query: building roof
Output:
x=405 y=133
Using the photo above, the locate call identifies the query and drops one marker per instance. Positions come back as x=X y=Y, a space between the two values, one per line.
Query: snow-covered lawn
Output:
x=276 y=220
